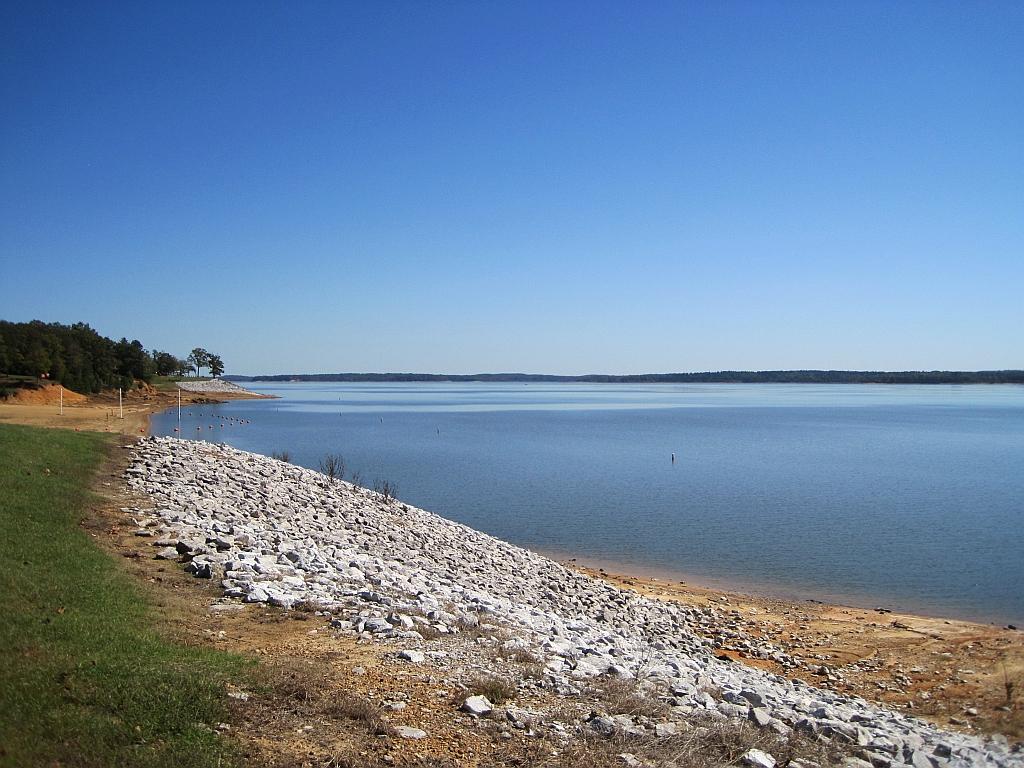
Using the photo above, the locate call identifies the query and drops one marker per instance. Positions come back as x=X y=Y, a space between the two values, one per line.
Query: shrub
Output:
x=385 y=488
x=333 y=465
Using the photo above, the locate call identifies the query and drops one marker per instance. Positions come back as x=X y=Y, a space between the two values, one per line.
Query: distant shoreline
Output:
x=1010 y=376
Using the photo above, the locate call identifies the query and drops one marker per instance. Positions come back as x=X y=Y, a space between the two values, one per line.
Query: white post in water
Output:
x=179 y=409
x=120 y=405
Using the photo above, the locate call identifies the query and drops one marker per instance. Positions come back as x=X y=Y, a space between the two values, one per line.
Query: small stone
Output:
x=919 y=759
x=942 y=749
x=603 y=725
x=755 y=758
x=760 y=717
x=755 y=698
x=416 y=657
x=257 y=595
x=407 y=732
x=200 y=570
x=477 y=705
x=376 y=624
x=665 y=729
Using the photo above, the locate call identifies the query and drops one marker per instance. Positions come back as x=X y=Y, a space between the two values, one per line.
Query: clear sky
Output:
x=549 y=187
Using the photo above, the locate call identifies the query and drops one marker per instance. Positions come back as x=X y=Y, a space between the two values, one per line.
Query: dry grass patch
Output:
x=523 y=656
x=307 y=688
x=472 y=628
x=706 y=743
x=622 y=696
x=497 y=690
x=305 y=607
x=349 y=706
x=428 y=631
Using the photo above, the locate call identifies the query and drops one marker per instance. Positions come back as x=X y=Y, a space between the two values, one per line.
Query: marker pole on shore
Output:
x=120 y=404
x=179 y=409
x=62 y=401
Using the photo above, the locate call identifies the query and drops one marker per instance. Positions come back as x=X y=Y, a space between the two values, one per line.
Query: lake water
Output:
x=909 y=497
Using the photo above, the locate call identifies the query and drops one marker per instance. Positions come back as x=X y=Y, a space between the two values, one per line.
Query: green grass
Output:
x=85 y=677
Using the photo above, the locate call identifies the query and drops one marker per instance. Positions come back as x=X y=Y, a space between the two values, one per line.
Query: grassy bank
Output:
x=87 y=680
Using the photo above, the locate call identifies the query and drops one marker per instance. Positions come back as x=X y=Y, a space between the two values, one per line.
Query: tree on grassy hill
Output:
x=216 y=365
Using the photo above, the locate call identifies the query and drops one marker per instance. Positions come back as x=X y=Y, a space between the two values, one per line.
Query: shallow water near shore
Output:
x=910 y=497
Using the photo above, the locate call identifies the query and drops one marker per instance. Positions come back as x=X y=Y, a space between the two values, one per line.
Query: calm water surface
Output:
x=904 y=496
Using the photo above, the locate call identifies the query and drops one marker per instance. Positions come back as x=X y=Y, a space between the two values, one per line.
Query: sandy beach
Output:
x=102 y=412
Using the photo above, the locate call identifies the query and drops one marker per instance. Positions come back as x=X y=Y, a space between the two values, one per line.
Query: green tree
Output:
x=216 y=365
x=199 y=358
x=164 y=362
x=37 y=360
x=132 y=362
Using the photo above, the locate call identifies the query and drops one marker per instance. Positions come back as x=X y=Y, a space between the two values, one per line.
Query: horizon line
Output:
x=1014 y=373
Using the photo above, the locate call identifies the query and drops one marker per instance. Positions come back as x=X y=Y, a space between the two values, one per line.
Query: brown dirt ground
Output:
x=99 y=413
x=47 y=394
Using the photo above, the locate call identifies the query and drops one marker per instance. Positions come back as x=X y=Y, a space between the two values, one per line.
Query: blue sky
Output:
x=542 y=187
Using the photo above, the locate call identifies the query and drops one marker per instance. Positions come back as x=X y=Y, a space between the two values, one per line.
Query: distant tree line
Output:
x=710 y=377
x=81 y=359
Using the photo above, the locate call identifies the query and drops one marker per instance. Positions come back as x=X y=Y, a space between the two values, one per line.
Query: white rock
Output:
x=755 y=758
x=477 y=705
x=408 y=732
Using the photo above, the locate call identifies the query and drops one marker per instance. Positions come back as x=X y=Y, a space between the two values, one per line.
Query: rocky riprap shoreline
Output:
x=213 y=385
x=290 y=537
